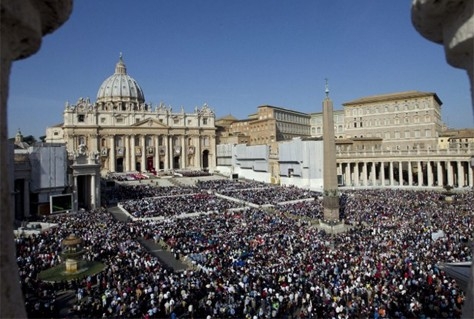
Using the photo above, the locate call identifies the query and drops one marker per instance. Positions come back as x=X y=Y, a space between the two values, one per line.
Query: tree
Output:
x=30 y=139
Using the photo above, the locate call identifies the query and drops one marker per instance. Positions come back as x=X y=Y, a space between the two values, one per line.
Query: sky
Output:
x=235 y=56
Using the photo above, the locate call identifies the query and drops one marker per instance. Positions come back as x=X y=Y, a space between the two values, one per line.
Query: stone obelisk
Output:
x=330 y=189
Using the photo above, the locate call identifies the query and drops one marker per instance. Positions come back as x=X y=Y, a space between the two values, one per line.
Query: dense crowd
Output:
x=177 y=205
x=253 y=263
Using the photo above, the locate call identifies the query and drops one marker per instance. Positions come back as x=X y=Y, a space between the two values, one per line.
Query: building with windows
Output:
x=404 y=120
x=317 y=124
x=127 y=134
x=388 y=140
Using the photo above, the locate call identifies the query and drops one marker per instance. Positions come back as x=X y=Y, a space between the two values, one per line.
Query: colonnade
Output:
x=406 y=172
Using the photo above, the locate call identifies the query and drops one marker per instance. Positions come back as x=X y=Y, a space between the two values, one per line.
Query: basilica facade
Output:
x=124 y=133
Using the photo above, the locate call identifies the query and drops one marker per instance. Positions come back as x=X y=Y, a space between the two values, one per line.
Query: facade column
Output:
x=171 y=152
x=356 y=175
x=439 y=173
x=156 y=154
x=93 y=142
x=382 y=174
x=197 y=153
x=167 y=152
x=75 y=203
x=429 y=173
x=449 y=167
x=460 y=177
x=184 y=153
x=420 y=173
x=26 y=197
x=133 y=158
x=112 y=154
x=93 y=192
x=143 y=150
x=127 y=152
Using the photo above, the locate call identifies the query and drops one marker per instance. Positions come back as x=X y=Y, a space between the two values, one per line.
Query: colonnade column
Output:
x=460 y=179
x=347 y=175
x=382 y=173
x=142 y=147
x=410 y=174
x=439 y=173
x=356 y=175
x=133 y=159
x=374 y=174
x=364 y=172
x=429 y=173
x=420 y=174
x=391 y=173
x=112 y=154
x=449 y=168
x=470 y=174
x=400 y=173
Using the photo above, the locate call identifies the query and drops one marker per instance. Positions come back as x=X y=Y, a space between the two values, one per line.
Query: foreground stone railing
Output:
x=23 y=24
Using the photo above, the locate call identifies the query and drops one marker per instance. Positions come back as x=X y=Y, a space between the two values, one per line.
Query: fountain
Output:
x=72 y=251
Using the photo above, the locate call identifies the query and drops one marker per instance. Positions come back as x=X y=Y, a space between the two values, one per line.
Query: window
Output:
x=56 y=133
x=407 y=134
x=119 y=120
x=102 y=120
x=427 y=133
x=175 y=121
x=80 y=118
x=204 y=121
x=417 y=133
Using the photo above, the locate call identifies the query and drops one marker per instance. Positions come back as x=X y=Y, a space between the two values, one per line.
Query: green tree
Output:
x=30 y=139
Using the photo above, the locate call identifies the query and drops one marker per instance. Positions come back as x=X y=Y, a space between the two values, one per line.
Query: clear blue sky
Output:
x=235 y=56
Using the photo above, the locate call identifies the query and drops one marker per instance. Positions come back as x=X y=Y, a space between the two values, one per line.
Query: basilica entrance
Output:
x=149 y=164
x=119 y=165
x=83 y=191
x=205 y=160
x=176 y=162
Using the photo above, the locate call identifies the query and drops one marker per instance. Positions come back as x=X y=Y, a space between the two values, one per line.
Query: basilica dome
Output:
x=120 y=87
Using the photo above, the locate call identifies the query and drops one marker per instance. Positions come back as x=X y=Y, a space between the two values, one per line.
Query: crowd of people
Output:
x=255 y=263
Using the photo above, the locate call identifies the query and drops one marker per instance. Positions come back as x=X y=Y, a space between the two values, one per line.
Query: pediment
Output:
x=147 y=123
